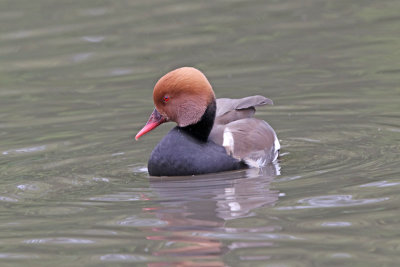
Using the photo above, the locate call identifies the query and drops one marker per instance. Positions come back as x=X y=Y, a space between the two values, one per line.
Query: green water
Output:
x=76 y=80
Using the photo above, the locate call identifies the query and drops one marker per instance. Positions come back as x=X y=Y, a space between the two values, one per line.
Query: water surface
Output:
x=76 y=79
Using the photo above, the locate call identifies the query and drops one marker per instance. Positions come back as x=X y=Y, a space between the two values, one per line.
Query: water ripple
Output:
x=332 y=202
x=28 y=187
x=8 y=199
x=122 y=196
x=17 y=256
x=120 y=72
x=98 y=11
x=248 y=236
x=58 y=240
x=336 y=224
x=25 y=150
x=101 y=179
x=380 y=184
x=117 y=154
x=135 y=221
x=139 y=169
x=123 y=257
x=80 y=57
x=93 y=39
x=341 y=255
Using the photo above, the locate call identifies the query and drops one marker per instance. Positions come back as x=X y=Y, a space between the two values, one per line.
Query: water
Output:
x=76 y=79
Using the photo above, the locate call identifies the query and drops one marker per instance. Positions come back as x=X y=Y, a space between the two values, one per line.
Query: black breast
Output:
x=180 y=153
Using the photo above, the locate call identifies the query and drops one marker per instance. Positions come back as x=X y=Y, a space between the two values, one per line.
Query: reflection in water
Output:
x=195 y=210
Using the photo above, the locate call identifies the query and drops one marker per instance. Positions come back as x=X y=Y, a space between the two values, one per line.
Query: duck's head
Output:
x=181 y=96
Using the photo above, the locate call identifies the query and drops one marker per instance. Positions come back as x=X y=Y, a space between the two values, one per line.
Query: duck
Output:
x=212 y=135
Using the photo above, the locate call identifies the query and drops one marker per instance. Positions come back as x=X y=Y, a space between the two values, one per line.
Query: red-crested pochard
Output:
x=212 y=135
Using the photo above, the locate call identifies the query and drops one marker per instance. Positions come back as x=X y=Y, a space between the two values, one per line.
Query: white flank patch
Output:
x=277 y=146
x=228 y=142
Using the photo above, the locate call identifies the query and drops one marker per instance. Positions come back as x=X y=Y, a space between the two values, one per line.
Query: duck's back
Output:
x=243 y=136
x=178 y=153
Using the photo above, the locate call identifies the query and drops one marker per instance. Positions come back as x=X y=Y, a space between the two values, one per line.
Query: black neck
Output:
x=201 y=130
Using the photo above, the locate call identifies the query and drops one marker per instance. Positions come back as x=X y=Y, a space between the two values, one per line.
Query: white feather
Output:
x=229 y=142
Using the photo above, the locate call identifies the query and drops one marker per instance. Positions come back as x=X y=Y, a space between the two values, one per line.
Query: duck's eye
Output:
x=165 y=99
